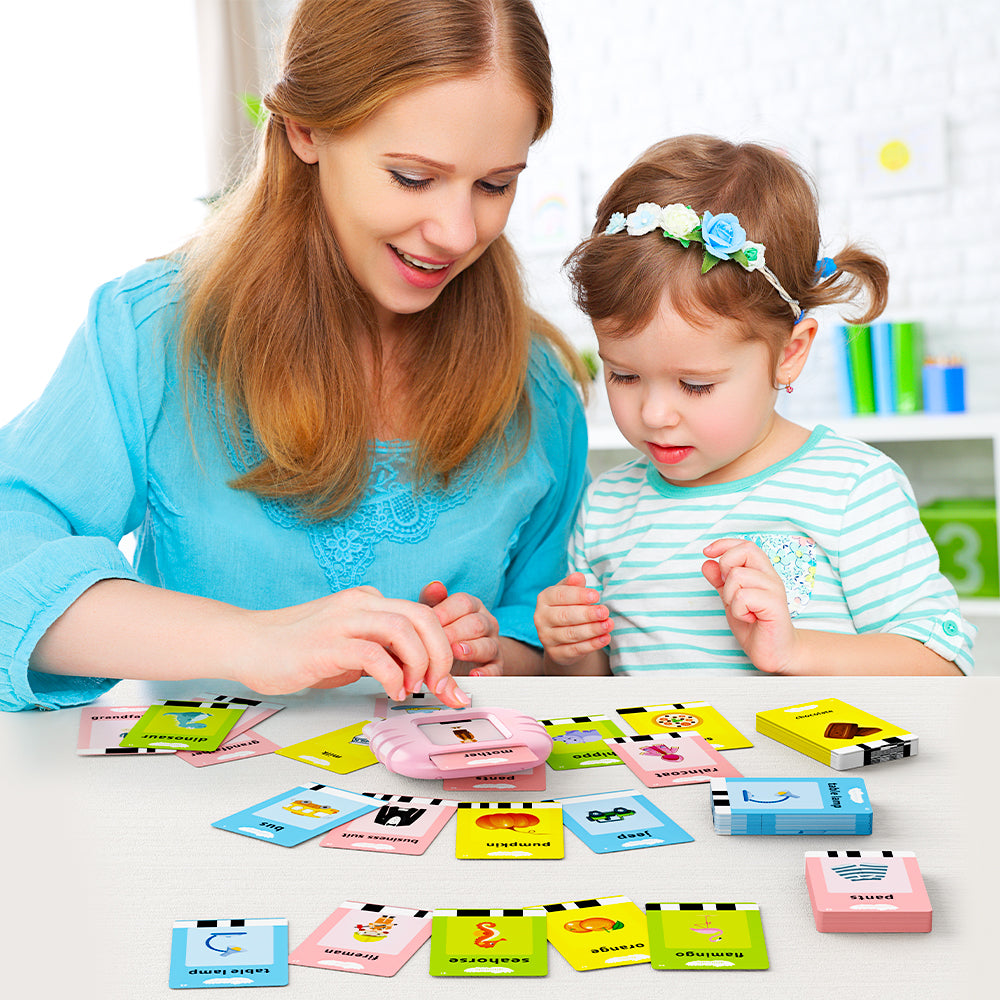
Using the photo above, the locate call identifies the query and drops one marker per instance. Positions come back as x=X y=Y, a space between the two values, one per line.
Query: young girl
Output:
x=344 y=442
x=737 y=540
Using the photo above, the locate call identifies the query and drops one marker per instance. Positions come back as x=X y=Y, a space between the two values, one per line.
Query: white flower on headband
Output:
x=644 y=219
x=678 y=221
x=754 y=253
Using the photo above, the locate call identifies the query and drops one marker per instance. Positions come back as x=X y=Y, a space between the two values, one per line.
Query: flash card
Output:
x=838 y=734
x=103 y=729
x=489 y=942
x=509 y=830
x=864 y=891
x=184 y=725
x=532 y=780
x=598 y=933
x=706 y=936
x=254 y=710
x=414 y=704
x=579 y=741
x=209 y=953
x=248 y=744
x=690 y=717
x=342 y=751
x=365 y=937
x=671 y=759
x=620 y=821
x=297 y=815
x=401 y=824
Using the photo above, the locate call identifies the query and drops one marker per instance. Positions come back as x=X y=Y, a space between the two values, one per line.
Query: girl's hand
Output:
x=571 y=624
x=335 y=640
x=473 y=633
x=755 y=601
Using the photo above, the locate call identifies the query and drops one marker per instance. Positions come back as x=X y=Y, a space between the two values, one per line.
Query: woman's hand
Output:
x=473 y=633
x=571 y=625
x=755 y=602
x=335 y=640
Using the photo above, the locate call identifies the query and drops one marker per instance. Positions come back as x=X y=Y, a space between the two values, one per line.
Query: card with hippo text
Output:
x=579 y=741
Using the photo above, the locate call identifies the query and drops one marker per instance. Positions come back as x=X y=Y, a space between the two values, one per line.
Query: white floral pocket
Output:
x=794 y=560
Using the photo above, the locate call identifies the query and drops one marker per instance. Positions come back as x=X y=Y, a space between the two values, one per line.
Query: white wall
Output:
x=103 y=164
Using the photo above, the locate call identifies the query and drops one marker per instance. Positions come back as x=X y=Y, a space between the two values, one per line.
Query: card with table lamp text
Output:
x=227 y=953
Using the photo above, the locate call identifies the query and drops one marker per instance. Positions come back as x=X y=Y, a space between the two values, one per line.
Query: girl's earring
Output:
x=788 y=387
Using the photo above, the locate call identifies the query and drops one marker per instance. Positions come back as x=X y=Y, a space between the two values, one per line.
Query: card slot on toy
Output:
x=452 y=744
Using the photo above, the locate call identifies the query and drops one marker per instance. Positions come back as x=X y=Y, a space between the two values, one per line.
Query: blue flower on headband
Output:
x=616 y=224
x=722 y=234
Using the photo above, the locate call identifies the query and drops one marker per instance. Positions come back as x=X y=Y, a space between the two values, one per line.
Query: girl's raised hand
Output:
x=755 y=602
x=474 y=634
x=334 y=640
x=571 y=624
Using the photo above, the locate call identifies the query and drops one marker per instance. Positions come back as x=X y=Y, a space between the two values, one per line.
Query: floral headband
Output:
x=721 y=235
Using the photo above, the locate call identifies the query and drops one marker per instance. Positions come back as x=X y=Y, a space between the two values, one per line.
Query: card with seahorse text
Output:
x=487 y=943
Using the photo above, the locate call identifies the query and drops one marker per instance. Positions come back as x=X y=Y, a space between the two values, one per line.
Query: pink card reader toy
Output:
x=459 y=744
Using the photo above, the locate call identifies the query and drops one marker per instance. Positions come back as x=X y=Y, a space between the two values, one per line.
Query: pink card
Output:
x=102 y=729
x=254 y=712
x=532 y=780
x=866 y=891
x=365 y=937
x=248 y=744
x=672 y=759
x=402 y=824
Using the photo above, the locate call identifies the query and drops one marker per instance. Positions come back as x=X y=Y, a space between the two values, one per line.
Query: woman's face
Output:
x=417 y=192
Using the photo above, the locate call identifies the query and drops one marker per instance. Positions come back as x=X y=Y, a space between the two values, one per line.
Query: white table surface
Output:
x=102 y=854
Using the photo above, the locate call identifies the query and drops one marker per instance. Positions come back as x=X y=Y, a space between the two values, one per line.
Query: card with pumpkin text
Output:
x=509 y=830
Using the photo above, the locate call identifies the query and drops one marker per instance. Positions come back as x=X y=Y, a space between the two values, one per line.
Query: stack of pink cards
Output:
x=867 y=891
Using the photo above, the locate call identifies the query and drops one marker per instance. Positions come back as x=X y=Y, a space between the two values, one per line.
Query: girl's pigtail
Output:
x=860 y=278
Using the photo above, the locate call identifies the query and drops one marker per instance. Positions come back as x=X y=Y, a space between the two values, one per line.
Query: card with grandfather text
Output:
x=578 y=742
x=401 y=824
x=620 y=821
x=532 y=780
x=247 y=744
x=184 y=725
x=489 y=943
x=671 y=759
x=214 y=953
x=367 y=938
x=687 y=717
x=598 y=933
x=706 y=936
x=509 y=830
x=103 y=728
x=342 y=751
x=298 y=815
x=414 y=704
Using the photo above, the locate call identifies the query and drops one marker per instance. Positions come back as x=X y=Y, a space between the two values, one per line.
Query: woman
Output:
x=344 y=442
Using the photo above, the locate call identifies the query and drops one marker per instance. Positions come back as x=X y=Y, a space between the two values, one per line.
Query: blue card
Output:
x=211 y=953
x=298 y=814
x=620 y=821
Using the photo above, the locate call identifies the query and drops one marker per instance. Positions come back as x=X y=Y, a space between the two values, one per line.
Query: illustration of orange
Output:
x=507 y=821
x=593 y=924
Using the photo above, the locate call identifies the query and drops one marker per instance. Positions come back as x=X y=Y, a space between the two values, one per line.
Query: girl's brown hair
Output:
x=272 y=313
x=619 y=278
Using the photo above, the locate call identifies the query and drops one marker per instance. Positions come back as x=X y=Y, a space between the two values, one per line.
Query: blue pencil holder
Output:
x=944 y=388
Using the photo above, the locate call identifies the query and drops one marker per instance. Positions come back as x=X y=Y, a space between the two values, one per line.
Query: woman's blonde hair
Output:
x=621 y=279
x=272 y=313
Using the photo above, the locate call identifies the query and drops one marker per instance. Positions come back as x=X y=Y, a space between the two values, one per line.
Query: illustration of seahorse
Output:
x=490 y=936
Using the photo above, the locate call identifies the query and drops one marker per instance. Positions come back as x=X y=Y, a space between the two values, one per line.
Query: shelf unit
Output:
x=605 y=436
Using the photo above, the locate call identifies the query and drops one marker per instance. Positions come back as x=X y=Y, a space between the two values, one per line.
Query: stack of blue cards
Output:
x=790 y=806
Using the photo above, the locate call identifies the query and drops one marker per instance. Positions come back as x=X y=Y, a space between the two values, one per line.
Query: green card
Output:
x=184 y=725
x=342 y=751
x=706 y=936
x=579 y=742
x=488 y=943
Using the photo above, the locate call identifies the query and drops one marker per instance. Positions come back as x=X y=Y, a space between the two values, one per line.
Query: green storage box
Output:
x=965 y=535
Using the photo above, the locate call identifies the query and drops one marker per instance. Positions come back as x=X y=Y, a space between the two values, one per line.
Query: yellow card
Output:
x=509 y=830
x=341 y=751
x=689 y=717
x=599 y=933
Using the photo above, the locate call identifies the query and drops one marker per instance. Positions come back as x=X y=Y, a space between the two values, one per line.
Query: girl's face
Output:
x=417 y=192
x=698 y=402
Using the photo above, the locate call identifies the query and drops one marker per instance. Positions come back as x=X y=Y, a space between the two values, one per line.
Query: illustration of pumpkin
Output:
x=507 y=821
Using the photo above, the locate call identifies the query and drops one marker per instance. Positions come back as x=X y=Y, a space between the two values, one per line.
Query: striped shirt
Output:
x=838 y=520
